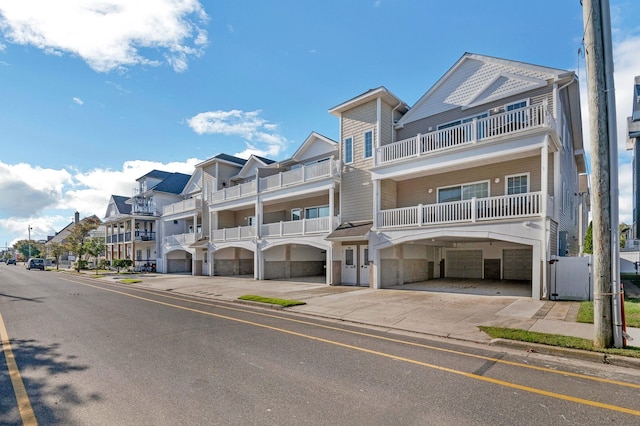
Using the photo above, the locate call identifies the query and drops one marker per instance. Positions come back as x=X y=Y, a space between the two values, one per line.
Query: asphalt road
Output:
x=94 y=351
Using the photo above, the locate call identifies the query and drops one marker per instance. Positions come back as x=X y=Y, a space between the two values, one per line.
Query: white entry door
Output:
x=364 y=266
x=349 y=265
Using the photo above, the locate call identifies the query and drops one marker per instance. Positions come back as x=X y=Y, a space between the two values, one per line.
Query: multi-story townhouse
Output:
x=270 y=219
x=480 y=179
x=133 y=225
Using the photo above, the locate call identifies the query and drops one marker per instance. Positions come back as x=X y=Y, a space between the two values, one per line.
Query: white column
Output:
x=331 y=205
x=376 y=202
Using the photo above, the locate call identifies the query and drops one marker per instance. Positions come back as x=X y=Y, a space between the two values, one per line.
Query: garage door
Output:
x=464 y=264
x=517 y=264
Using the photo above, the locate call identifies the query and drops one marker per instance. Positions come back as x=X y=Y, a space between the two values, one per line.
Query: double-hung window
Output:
x=348 y=150
x=517 y=184
x=368 y=144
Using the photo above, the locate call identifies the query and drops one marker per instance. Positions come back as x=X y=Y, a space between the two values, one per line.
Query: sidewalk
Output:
x=449 y=315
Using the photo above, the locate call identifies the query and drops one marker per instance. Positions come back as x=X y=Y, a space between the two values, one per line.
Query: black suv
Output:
x=35 y=264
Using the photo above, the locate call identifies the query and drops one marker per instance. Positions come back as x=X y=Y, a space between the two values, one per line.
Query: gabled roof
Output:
x=61 y=236
x=155 y=174
x=173 y=183
x=478 y=79
x=226 y=158
x=249 y=168
x=315 y=145
x=193 y=185
x=119 y=202
x=368 y=96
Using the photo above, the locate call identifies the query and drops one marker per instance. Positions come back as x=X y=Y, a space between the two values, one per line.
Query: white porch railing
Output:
x=467 y=133
x=476 y=209
x=179 y=239
x=233 y=234
x=182 y=206
x=299 y=227
x=300 y=175
x=238 y=191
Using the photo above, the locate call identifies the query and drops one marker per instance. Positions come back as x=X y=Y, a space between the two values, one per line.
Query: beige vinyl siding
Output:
x=422 y=126
x=388 y=194
x=225 y=172
x=415 y=191
x=356 y=185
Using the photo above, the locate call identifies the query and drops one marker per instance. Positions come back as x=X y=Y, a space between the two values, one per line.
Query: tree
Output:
x=623 y=230
x=22 y=247
x=95 y=248
x=56 y=250
x=78 y=236
x=588 y=240
x=121 y=263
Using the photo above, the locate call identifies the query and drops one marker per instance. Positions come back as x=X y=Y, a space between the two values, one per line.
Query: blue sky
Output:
x=94 y=94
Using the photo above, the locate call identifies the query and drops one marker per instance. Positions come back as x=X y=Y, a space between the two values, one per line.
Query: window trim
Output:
x=364 y=144
x=348 y=142
x=506 y=182
x=526 y=104
x=299 y=210
x=487 y=181
x=462 y=120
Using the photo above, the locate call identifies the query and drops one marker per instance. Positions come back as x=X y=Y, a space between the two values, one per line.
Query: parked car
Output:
x=35 y=263
x=11 y=261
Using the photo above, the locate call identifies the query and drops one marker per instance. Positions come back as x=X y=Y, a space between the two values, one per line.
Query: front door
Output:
x=364 y=266
x=349 y=268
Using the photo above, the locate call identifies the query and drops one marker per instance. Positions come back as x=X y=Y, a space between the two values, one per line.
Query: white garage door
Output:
x=464 y=264
x=517 y=264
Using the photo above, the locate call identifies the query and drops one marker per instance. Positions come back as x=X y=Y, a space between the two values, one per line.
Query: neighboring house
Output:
x=61 y=237
x=133 y=224
x=480 y=179
x=271 y=219
x=633 y=144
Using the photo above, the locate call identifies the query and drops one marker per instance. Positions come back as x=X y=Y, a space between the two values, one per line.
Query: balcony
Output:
x=183 y=206
x=474 y=210
x=299 y=176
x=181 y=239
x=144 y=236
x=302 y=227
x=233 y=234
x=469 y=133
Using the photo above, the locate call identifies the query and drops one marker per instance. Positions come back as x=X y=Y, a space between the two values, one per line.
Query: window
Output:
x=138 y=254
x=251 y=220
x=518 y=184
x=368 y=144
x=460 y=136
x=348 y=254
x=463 y=192
x=148 y=253
x=315 y=212
x=348 y=150
x=365 y=255
x=296 y=214
x=520 y=117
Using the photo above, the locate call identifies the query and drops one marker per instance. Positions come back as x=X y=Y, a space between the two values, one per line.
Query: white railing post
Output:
x=420 y=219
x=281 y=228
x=304 y=226
x=474 y=213
x=418 y=138
x=474 y=130
x=280 y=180
x=304 y=173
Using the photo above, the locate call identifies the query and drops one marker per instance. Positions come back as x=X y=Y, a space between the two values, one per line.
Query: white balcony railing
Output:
x=470 y=132
x=182 y=206
x=476 y=209
x=299 y=227
x=181 y=239
x=301 y=175
x=233 y=192
x=233 y=234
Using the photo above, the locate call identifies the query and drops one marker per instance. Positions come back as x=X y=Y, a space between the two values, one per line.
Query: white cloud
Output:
x=109 y=34
x=261 y=137
x=46 y=199
x=78 y=101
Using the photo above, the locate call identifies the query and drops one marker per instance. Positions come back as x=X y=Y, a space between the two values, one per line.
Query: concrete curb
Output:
x=597 y=357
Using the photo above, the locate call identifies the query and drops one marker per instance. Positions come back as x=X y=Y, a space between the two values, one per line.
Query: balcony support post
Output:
x=474 y=208
x=474 y=130
x=419 y=217
x=418 y=139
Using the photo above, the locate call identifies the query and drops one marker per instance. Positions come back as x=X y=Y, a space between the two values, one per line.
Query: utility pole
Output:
x=29 y=228
x=604 y=179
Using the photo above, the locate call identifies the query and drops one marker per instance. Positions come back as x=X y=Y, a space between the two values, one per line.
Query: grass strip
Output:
x=271 y=300
x=555 y=340
x=631 y=312
x=130 y=281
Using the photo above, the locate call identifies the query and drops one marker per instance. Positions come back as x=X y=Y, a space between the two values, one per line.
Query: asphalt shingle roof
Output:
x=174 y=183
